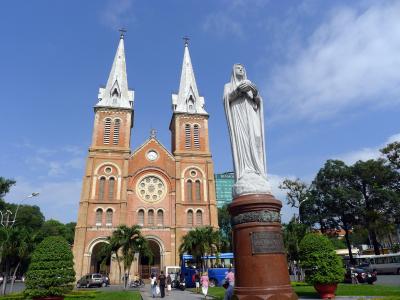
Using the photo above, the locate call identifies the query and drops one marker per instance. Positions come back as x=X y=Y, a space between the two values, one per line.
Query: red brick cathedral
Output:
x=167 y=192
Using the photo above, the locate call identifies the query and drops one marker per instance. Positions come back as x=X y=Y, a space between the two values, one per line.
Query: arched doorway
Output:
x=148 y=265
x=98 y=261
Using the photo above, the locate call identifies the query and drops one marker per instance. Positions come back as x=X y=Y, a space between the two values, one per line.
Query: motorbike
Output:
x=136 y=283
x=181 y=284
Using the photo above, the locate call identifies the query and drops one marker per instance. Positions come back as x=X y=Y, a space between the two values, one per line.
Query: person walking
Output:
x=196 y=279
x=153 y=284
x=230 y=280
x=204 y=284
x=162 y=279
x=169 y=283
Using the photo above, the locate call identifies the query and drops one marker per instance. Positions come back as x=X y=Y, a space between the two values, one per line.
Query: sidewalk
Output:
x=175 y=295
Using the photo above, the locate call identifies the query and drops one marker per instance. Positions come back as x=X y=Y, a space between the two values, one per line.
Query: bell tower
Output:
x=103 y=202
x=195 y=192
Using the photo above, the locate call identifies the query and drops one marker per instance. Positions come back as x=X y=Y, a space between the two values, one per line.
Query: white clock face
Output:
x=152 y=155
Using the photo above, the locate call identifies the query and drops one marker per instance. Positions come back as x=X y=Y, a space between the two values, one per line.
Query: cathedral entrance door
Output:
x=98 y=263
x=149 y=265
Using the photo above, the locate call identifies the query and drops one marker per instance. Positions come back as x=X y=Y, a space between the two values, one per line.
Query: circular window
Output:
x=193 y=173
x=107 y=170
x=151 y=188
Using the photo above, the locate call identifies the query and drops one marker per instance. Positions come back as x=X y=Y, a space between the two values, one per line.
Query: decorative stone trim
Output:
x=264 y=216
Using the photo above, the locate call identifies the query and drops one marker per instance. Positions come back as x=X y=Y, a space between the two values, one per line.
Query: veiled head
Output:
x=238 y=74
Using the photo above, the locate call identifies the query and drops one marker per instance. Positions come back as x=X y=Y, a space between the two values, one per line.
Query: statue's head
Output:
x=238 y=74
x=239 y=71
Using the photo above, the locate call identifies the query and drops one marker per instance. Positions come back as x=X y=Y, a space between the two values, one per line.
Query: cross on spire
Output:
x=122 y=32
x=186 y=39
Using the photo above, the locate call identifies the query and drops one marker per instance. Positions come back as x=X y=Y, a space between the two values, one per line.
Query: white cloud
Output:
x=287 y=211
x=117 y=13
x=222 y=24
x=232 y=19
x=57 y=200
x=365 y=154
x=350 y=61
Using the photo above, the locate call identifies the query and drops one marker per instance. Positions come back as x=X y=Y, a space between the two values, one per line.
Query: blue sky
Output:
x=329 y=73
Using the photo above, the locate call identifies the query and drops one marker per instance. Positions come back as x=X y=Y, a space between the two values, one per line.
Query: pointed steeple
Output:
x=116 y=92
x=188 y=99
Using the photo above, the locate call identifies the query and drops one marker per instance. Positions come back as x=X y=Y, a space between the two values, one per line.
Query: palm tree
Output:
x=200 y=242
x=124 y=243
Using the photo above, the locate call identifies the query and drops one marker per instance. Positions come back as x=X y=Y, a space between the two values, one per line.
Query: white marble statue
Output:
x=244 y=113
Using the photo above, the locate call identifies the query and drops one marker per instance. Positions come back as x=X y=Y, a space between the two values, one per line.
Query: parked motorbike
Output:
x=137 y=283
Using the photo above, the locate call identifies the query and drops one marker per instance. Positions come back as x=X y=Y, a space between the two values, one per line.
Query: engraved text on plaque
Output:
x=267 y=242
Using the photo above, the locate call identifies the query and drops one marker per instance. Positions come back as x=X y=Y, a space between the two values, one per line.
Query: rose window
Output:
x=151 y=189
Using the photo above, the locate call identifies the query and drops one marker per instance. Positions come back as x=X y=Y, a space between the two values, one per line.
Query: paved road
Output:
x=175 y=295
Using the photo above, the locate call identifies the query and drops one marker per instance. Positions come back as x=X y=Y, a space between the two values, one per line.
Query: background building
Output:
x=223 y=187
x=166 y=192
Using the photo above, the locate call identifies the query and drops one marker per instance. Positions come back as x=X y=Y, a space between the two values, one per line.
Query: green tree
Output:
x=378 y=185
x=125 y=242
x=333 y=187
x=392 y=154
x=51 y=271
x=293 y=233
x=319 y=260
x=225 y=228
x=200 y=242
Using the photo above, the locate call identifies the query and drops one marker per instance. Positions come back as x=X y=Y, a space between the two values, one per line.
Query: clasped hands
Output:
x=246 y=86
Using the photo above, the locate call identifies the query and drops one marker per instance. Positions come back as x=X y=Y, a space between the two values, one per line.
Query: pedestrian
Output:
x=153 y=284
x=204 y=284
x=162 y=279
x=169 y=283
x=230 y=280
x=196 y=279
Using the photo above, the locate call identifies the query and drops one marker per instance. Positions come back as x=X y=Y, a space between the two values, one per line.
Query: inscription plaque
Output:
x=263 y=242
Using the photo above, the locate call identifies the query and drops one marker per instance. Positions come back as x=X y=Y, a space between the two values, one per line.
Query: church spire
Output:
x=116 y=92
x=188 y=99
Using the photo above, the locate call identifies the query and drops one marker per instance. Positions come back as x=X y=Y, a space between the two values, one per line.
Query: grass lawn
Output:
x=392 y=292
x=100 y=295
x=91 y=295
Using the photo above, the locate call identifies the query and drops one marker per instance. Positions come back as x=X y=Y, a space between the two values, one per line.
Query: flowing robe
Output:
x=245 y=116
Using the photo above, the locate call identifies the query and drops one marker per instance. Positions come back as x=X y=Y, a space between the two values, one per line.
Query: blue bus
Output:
x=217 y=268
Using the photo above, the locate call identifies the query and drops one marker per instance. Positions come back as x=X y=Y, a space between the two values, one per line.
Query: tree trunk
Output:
x=375 y=243
x=13 y=278
x=119 y=268
x=3 y=289
x=346 y=236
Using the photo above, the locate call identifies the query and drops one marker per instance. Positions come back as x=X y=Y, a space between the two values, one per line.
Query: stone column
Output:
x=261 y=270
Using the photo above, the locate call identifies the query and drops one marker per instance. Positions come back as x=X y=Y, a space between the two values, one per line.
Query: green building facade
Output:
x=223 y=187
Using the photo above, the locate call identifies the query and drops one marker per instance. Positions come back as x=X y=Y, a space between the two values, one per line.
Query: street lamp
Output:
x=300 y=203
x=6 y=217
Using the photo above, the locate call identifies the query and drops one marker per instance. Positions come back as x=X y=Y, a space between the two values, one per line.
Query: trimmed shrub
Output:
x=51 y=271
x=319 y=260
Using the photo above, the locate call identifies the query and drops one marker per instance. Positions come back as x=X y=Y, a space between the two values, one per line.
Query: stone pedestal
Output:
x=261 y=270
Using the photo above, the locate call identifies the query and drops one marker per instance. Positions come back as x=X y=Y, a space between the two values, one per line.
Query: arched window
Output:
x=117 y=124
x=101 y=188
x=188 y=137
x=189 y=191
x=111 y=184
x=190 y=218
x=141 y=217
x=196 y=136
x=150 y=219
x=99 y=216
x=109 y=217
x=191 y=107
x=199 y=217
x=198 y=191
x=160 y=217
x=107 y=129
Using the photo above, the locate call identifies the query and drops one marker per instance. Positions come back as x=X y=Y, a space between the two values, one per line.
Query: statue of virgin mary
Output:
x=245 y=117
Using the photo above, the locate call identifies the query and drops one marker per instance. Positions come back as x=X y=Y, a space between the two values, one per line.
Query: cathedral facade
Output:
x=166 y=192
